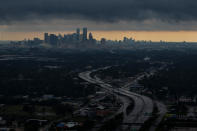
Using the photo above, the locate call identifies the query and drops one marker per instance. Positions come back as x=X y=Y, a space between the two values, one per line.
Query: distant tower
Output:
x=78 y=34
x=125 y=39
x=103 y=41
x=85 y=33
x=90 y=36
x=46 y=37
x=53 y=39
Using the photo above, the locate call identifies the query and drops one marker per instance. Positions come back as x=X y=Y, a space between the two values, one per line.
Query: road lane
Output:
x=143 y=104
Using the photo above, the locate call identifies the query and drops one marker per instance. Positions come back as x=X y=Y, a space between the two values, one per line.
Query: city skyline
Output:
x=155 y=36
x=160 y=19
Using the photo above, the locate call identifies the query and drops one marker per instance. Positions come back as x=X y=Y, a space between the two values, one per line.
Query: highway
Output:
x=162 y=111
x=143 y=104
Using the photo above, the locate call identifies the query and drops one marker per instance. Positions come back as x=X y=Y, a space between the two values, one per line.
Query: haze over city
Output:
x=169 y=36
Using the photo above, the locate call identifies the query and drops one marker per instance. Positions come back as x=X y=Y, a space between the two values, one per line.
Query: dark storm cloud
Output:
x=99 y=10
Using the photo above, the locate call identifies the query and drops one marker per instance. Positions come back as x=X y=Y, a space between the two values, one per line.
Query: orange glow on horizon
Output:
x=170 y=36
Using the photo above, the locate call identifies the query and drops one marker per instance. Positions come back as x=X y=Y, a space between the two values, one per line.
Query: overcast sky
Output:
x=39 y=15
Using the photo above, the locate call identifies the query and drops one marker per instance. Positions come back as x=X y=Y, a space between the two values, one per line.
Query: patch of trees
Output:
x=112 y=124
x=180 y=78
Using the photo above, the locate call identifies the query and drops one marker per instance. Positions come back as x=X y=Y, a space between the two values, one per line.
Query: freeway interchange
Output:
x=143 y=105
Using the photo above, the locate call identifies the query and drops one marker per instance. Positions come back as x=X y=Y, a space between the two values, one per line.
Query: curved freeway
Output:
x=143 y=104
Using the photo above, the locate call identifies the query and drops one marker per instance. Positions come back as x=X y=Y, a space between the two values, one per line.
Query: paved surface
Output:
x=162 y=111
x=143 y=104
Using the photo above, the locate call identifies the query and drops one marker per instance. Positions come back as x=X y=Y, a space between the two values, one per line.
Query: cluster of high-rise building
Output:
x=76 y=37
x=81 y=38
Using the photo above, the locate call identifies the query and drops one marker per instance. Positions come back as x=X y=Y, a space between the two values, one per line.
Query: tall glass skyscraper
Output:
x=78 y=33
x=85 y=34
